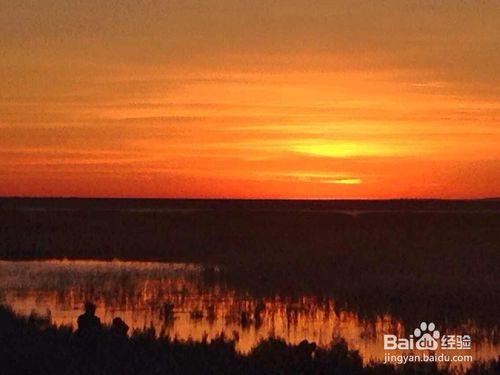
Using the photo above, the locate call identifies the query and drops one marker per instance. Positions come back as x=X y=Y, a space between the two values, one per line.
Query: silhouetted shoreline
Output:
x=32 y=345
x=159 y=204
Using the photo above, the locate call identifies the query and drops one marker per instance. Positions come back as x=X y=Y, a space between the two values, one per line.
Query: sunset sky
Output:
x=250 y=99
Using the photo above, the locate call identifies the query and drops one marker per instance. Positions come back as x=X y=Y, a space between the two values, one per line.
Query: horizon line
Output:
x=246 y=199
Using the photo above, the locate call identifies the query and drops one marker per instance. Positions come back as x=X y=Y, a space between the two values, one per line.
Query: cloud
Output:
x=362 y=98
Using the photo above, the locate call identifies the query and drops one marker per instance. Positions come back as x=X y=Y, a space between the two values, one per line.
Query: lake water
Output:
x=138 y=292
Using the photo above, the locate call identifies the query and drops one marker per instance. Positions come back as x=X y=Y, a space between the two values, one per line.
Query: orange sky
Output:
x=249 y=99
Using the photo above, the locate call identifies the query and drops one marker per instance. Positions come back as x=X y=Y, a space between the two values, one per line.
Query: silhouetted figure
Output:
x=305 y=350
x=119 y=328
x=89 y=325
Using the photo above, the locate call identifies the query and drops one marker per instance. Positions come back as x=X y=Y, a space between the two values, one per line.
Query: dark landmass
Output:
x=32 y=345
x=414 y=259
x=94 y=204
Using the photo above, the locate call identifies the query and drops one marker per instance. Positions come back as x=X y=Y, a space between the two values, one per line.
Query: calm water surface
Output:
x=138 y=291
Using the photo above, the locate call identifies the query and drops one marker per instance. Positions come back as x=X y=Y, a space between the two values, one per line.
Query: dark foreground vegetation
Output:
x=32 y=345
x=412 y=259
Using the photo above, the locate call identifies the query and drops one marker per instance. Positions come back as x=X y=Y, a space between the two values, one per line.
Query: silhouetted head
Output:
x=89 y=308
x=120 y=326
x=306 y=348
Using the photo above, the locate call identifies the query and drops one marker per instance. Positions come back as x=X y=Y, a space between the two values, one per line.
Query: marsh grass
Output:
x=32 y=345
